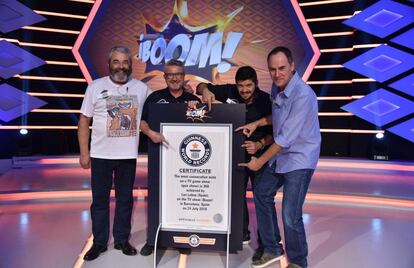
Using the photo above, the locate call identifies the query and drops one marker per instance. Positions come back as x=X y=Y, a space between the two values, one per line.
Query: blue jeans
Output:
x=122 y=173
x=295 y=186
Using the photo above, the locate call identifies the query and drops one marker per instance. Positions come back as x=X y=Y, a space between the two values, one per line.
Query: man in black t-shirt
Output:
x=173 y=93
x=258 y=104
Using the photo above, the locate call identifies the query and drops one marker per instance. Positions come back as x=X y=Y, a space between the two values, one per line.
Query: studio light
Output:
x=379 y=148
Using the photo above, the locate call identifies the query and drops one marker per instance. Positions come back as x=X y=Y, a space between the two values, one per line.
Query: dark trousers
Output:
x=122 y=173
x=252 y=175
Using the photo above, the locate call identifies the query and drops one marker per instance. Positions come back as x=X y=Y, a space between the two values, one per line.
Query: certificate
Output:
x=195 y=177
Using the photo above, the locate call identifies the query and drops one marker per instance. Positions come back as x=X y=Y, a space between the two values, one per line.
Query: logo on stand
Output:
x=197 y=114
x=195 y=150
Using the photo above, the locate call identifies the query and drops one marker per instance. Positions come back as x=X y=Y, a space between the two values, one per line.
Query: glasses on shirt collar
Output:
x=171 y=75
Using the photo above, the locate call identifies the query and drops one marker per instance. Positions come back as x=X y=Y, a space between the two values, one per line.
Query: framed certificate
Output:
x=195 y=177
x=195 y=187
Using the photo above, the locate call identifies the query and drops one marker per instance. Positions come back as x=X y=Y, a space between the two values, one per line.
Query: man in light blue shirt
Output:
x=292 y=160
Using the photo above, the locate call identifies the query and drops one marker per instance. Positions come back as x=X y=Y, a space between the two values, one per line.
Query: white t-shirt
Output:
x=116 y=111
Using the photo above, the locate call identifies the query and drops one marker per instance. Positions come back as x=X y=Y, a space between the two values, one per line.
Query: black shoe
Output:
x=246 y=239
x=258 y=254
x=126 y=248
x=94 y=252
x=146 y=250
x=185 y=251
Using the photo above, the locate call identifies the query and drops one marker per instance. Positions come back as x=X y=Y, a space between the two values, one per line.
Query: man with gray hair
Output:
x=174 y=93
x=115 y=104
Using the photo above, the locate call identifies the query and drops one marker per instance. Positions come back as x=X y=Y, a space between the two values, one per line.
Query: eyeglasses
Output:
x=171 y=75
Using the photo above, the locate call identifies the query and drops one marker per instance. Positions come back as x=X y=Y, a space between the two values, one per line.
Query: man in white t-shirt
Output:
x=115 y=104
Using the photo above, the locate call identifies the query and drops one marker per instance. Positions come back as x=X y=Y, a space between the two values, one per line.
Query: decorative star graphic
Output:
x=178 y=25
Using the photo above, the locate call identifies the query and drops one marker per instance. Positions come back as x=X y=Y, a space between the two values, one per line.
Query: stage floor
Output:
x=358 y=213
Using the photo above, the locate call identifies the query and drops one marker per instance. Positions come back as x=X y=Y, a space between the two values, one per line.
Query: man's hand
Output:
x=252 y=146
x=254 y=164
x=157 y=137
x=248 y=129
x=207 y=96
x=192 y=104
x=85 y=161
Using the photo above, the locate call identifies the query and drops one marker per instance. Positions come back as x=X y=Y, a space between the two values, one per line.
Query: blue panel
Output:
x=380 y=107
x=405 y=130
x=15 y=15
x=406 y=39
x=381 y=63
x=15 y=103
x=383 y=18
x=405 y=85
x=15 y=60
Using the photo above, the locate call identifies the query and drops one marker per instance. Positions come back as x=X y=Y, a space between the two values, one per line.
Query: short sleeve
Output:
x=88 y=103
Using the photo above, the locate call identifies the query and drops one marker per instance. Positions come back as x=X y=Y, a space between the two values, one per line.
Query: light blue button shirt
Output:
x=295 y=126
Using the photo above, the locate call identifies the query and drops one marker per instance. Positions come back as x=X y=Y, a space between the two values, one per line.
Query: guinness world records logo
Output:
x=194 y=240
x=195 y=150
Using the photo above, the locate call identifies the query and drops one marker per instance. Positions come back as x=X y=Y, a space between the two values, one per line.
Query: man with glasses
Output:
x=174 y=93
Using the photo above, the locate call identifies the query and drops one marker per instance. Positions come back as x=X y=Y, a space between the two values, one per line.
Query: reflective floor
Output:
x=357 y=214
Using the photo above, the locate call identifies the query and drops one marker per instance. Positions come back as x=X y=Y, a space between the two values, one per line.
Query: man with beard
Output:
x=115 y=104
x=174 y=93
x=258 y=105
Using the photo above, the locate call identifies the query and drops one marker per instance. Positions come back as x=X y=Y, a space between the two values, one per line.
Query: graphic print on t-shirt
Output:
x=122 y=116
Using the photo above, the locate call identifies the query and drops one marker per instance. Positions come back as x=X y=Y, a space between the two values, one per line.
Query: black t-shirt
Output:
x=164 y=96
x=261 y=106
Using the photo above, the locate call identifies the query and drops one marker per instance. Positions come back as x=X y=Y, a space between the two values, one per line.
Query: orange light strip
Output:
x=65 y=63
x=27 y=44
x=361 y=200
x=347 y=49
x=329 y=82
x=55 y=111
x=329 y=66
x=142 y=160
x=363 y=80
x=59 y=95
x=329 y=18
x=336 y=82
x=37 y=127
x=326 y=2
x=359 y=131
x=182 y=261
x=53 y=30
x=324 y=163
x=352 y=200
x=65 y=15
x=63 y=95
x=334 y=114
x=65 y=79
x=355 y=97
x=79 y=261
x=83 y=1
x=140 y=193
x=326 y=130
x=332 y=34
x=59 y=195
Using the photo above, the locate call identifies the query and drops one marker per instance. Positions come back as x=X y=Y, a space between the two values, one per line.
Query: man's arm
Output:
x=83 y=139
x=155 y=137
x=257 y=163
x=207 y=96
x=248 y=129
x=253 y=146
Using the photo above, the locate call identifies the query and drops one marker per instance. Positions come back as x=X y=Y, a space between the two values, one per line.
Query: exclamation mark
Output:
x=233 y=40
